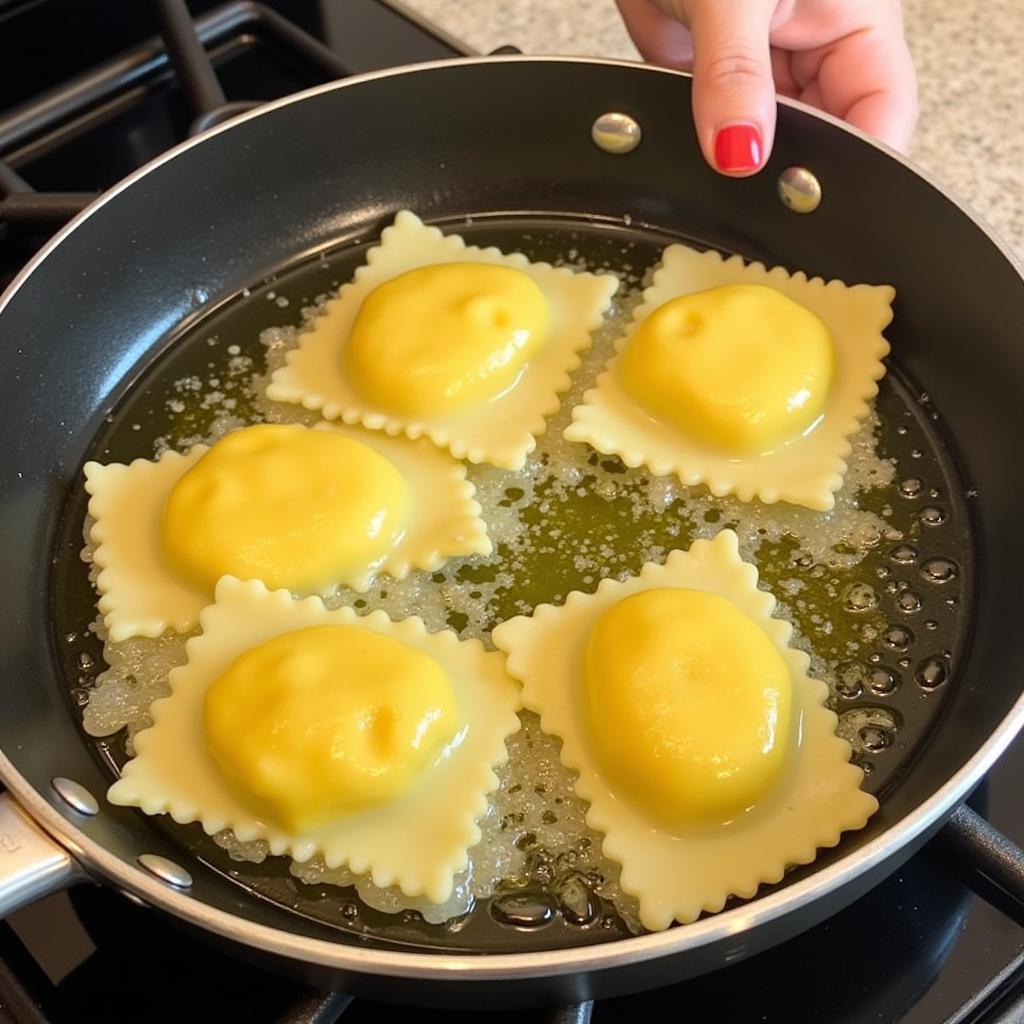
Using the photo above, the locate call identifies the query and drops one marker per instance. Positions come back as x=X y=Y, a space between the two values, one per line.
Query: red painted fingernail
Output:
x=738 y=148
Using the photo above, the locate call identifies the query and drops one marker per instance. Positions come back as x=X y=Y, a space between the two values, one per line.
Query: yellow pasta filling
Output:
x=320 y=722
x=444 y=338
x=742 y=367
x=293 y=507
x=688 y=705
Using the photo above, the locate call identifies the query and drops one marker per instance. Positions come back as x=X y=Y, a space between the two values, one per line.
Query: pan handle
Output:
x=32 y=865
x=984 y=855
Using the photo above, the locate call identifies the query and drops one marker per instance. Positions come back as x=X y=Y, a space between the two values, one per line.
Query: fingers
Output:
x=868 y=79
x=660 y=38
x=727 y=48
x=785 y=83
x=733 y=91
x=886 y=117
x=888 y=109
x=865 y=76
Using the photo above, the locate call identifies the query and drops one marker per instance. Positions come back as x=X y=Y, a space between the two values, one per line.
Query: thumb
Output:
x=733 y=90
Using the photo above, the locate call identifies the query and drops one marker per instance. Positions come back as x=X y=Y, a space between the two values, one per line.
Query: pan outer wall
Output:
x=460 y=139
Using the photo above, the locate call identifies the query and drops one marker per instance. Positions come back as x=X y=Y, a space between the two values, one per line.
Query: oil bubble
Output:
x=850 y=679
x=883 y=681
x=939 y=570
x=859 y=598
x=870 y=729
x=522 y=909
x=903 y=554
x=576 y=901
x=875 y=738
x=931 y=673
x=932 y=515
x=897 y=638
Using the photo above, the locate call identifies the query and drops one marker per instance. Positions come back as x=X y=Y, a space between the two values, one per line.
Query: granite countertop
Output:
x=970 y=62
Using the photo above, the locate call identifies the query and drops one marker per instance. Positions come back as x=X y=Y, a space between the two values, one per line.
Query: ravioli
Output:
x=703 y=747
x=745 y=379
x=368 y=742
x=306 y=509
x=469 y=347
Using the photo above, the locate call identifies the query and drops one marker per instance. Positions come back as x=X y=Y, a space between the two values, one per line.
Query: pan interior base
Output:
x=886 y=617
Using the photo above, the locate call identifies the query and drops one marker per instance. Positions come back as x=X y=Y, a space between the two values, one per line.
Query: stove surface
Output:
x=919 y=949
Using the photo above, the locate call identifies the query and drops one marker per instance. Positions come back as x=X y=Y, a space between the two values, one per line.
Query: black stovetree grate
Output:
x=975 y=852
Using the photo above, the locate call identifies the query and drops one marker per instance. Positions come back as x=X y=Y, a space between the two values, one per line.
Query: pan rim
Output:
x=506 y=966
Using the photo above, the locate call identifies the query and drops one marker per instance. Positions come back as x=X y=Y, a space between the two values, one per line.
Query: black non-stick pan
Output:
x=124 y=295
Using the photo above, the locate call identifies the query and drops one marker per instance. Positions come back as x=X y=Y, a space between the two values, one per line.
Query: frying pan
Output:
x=508 y=141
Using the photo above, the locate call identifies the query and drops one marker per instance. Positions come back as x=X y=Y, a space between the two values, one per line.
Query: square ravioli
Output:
x=467 y=346
x=271 y=511
x=705 y=391
x=325 y=749
x=703 y=747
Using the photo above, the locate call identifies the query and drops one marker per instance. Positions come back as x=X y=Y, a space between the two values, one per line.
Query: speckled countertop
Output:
x=970 y=63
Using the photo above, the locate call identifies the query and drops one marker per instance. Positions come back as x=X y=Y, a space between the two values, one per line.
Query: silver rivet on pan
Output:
x=616 y=133
x=799 y=190
x=166 y=870
x=75 y=795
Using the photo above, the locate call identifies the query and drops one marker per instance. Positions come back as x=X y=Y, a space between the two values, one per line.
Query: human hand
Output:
x=847 y=57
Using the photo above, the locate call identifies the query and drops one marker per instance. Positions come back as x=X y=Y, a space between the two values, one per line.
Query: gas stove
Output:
x=89 y=92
